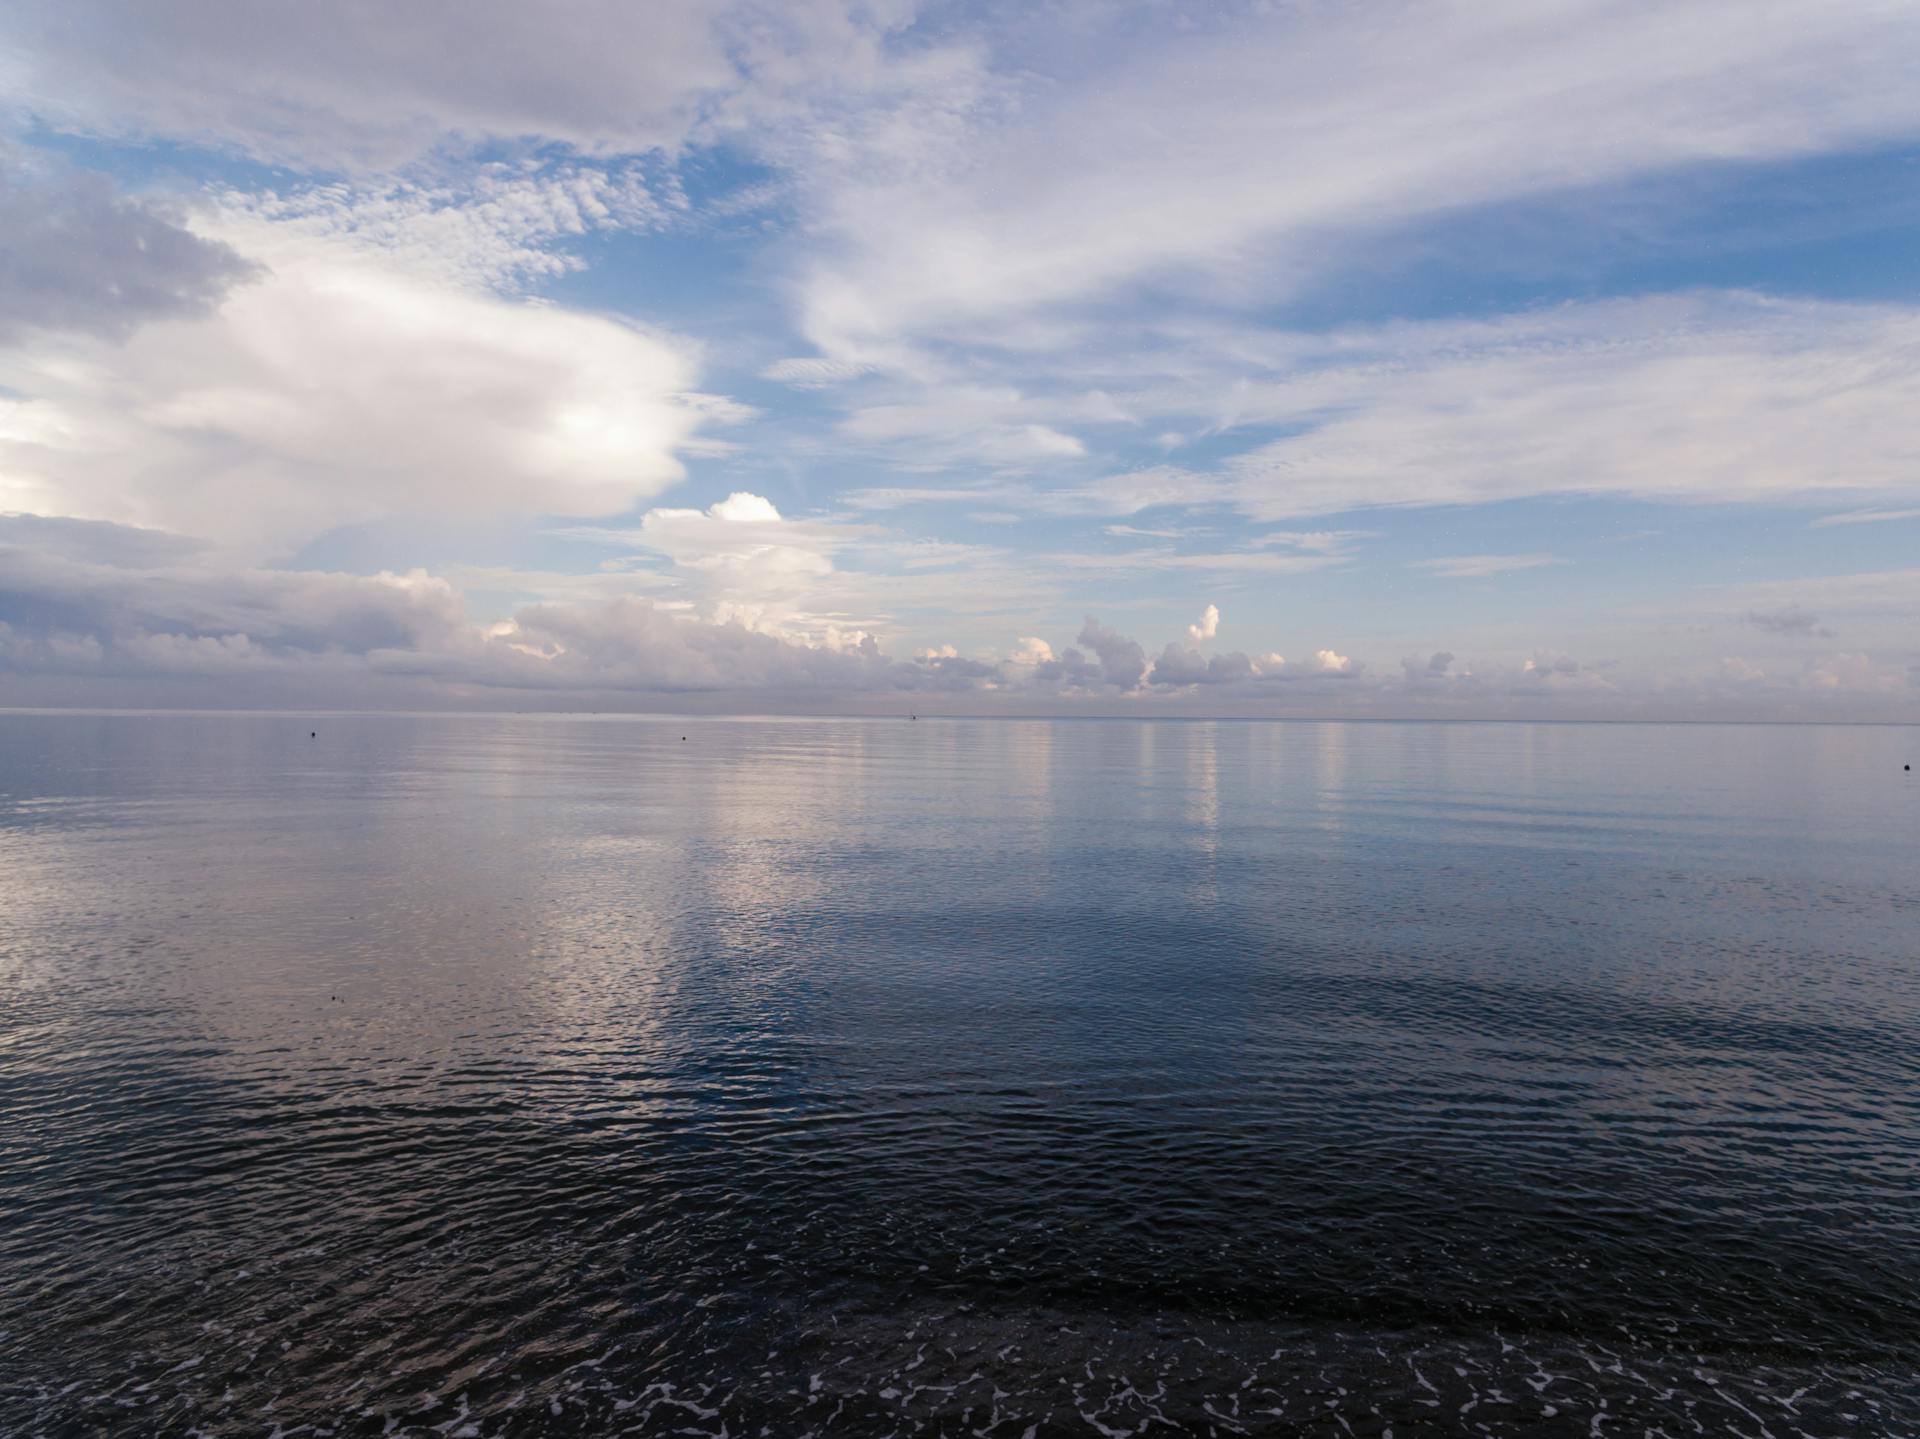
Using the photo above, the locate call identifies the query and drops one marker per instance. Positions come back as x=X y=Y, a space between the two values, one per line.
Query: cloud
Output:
x=746 y=562
x=1786 y=622
x=1476 y=567
x=1547 y=666
x=337 y=388
x=813 y=373
x=948 y=422
x=1184 y=665
x=1243 y=150
x=1864 y=517
x=1207 y=627
x=1122 y=662
x=496 y=228
x=138 y=607
x=96 y=604
x=1030 y=651
x=634 y=645
x=357 y=85
x=1698 y=398
x=121 y=604
x=76 y=255
x=96 y=542
x=742 y=508
x=1436 y=669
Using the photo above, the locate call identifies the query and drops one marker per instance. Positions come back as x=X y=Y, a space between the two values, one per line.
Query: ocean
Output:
x=473 y=1075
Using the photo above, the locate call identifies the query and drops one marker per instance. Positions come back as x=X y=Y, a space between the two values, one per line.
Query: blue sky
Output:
x=1550 y=359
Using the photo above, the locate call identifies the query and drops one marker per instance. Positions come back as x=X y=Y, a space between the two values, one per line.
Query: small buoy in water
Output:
x=683 y=739
x=313 y=734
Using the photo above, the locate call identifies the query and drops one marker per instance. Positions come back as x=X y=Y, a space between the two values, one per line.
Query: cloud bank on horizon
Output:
x=1534 y=359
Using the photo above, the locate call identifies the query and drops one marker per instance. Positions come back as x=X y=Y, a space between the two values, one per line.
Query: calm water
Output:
x=477 y=1076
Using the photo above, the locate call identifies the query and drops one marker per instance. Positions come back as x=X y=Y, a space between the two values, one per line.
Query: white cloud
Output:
x=1207 y=627
x=358 y=85
x=742 y=508
x=1252 y=562
x=1477 y=567
x=1864 y=517
x=947 y=422
x=813 y=373
x=337 y=388
x=500 y=227
x=87 y=603
x=1697 y=398
x=123 y=604
x=1252 y=144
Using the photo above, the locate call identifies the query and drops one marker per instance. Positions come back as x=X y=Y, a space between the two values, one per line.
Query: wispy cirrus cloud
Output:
x=1234 y=152
x=1480 y=567
x=361 y=87
x=1864 y=517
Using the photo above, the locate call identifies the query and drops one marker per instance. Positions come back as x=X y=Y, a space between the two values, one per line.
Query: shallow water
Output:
x=542 y=1075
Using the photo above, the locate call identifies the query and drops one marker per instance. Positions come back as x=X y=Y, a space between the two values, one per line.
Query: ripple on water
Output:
x=534 y=1076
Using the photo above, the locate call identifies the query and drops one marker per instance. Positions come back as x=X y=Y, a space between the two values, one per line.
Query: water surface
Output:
x=542 y=1075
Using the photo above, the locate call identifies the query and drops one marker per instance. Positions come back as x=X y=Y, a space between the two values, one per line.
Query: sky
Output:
x=1498 y=359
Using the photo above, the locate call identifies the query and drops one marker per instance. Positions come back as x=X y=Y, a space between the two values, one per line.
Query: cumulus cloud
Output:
x=124 y=603
x=86 y=602
x=1180 y=664
x=1436 y=669
x=1547 y=666
x=338 y=388
x=1206 y=627
x=1120 y=663
x=745 y=561
x=77 y=255
x=135 y=607
x=1123 y=663
x=634 y=645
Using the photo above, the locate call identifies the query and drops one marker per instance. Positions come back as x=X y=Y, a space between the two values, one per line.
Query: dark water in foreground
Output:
x=955 y=1077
